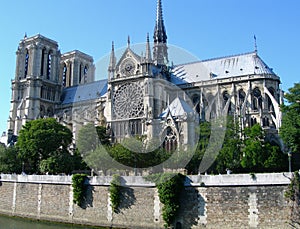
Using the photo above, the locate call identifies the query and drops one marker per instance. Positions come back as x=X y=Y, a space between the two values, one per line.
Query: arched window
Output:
x=70 y=75
x=42 y=111
x=196 y=102
x=43 y=61
x=257 y=99
x=170 y=142
x=80 y=73
x=226 y=97
x=242 y=96
x=49 y=60
x=64 y=76
x=266 y=121
x=85 y=71
x=42 y=92
x=26 y=63
x=253 y=121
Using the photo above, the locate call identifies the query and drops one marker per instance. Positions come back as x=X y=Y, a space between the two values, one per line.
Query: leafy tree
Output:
x=169 y=188
x=277 y=161
x=100 y=159
x=290 y=128
x=253 y=150
x=40 y=139
x=230 y=154
x=204 y=135
x=259 y=155
x=62 y=162
x=88 y=139
x=9 y=161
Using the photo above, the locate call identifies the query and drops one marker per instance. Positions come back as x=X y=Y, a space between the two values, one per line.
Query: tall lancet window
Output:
x=70 y=75
x=85 y=71
x=43 y=62
x=26 y=64
x=64 y=76
x=257 y=99
x=49 y=60
x=80 y=73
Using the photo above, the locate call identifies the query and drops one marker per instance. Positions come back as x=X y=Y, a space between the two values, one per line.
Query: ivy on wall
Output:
x=293 y=194
x=115 y=192
x=79 y=188
x=169 y=190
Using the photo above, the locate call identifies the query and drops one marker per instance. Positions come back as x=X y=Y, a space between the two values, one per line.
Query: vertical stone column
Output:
x=71 y=204
x=14 y=198
x=39 y=201
x=253 y=211
x=109 y=209
x=202 y=206
x=156 y=208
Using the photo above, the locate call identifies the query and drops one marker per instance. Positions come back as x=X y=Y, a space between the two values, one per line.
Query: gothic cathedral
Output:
x=143 y=95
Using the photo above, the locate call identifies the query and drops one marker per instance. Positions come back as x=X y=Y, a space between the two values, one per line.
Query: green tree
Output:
x=62 y=162
x=259 y=155
x=204 y=135
x=100 y=159
x=9 y=160
x=253 y=152
x=88 y=139
x=40 y=139
x=230 y=155
x=290 y=128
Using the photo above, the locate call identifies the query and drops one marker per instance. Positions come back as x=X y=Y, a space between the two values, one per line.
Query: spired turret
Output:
x=160 y=49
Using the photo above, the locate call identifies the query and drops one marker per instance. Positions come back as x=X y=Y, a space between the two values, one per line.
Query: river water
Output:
x=19 y=223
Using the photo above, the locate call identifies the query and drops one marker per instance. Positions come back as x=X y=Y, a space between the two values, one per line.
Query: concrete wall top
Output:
x=195 y=180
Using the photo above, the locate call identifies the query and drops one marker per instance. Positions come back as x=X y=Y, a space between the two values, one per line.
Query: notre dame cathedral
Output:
x=143 y=94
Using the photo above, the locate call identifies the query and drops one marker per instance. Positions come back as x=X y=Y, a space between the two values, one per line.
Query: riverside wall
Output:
x=221 y=201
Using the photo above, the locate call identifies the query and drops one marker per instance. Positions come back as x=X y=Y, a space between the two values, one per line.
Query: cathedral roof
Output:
x=177 y=108
x=84 y=92
x=224 y=67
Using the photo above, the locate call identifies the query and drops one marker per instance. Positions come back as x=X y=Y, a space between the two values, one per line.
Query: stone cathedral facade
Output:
x=143 y=94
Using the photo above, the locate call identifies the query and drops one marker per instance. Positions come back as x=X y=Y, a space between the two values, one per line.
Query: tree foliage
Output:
x=79 y=188
x=169 y=190
x=43 y=144
x=115 y=192
x=9 y=160
x=259 y=155
x=290 y=128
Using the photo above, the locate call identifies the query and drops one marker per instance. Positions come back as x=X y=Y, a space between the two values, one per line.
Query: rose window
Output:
x=128 y=101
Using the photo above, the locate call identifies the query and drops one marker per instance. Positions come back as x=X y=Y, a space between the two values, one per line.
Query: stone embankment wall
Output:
x=222 y=201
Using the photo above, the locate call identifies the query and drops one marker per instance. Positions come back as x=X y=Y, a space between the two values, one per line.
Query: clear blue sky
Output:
x=206 y=28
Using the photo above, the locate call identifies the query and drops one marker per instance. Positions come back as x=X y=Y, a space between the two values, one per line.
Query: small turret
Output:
x=112 y=62
x=148 y=50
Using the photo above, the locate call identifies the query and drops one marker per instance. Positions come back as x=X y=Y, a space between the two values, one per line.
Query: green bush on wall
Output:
x=115 y=191
x=169 y=190
x=79 y=188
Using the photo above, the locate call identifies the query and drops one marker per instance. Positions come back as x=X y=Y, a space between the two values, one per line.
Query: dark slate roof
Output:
x=84 y=92
x=224 y=67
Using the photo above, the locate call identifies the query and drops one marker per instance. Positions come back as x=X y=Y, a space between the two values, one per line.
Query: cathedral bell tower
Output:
x=36 y=88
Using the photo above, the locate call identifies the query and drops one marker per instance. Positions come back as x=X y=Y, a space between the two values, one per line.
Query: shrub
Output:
x=79 y=188
x=114 y=191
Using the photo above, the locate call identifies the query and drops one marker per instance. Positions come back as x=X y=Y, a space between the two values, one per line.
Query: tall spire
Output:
x=160 y=50
x=160 y=34
x=112 y=62
x=148 y=51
